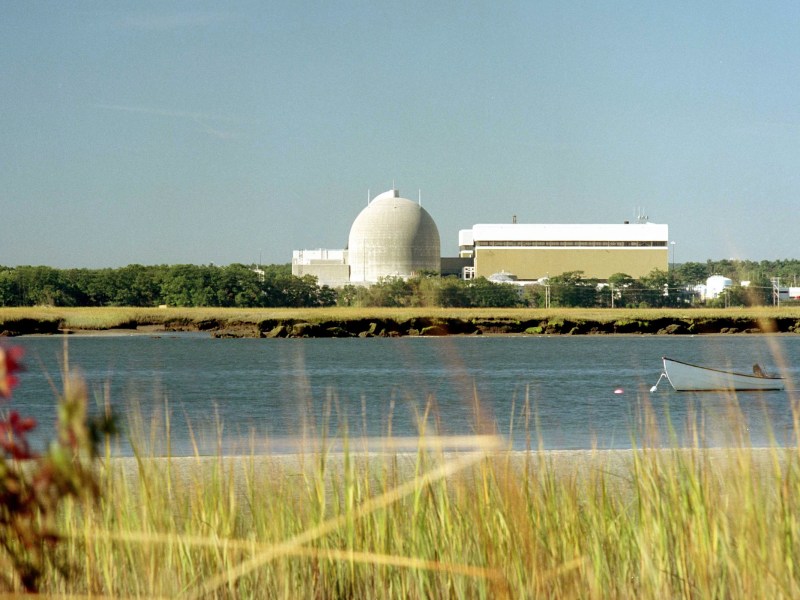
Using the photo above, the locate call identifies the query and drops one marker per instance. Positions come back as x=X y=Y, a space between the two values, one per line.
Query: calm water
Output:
x=250 y=395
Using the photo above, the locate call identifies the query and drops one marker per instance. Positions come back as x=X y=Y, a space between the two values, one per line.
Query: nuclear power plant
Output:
x=396 y=237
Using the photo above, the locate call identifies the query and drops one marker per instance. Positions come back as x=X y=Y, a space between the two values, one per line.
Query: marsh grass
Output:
x=434 y=517
x=117 y=317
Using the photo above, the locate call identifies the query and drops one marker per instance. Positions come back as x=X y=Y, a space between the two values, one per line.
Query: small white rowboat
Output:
x=686 y=377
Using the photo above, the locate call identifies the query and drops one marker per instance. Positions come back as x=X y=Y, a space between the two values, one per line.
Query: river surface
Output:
x=187 y=393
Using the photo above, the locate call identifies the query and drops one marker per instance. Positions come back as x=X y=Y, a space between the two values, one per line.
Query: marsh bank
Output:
x=382 y=322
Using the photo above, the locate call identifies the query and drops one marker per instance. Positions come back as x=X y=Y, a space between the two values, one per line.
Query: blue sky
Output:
x=200 y=132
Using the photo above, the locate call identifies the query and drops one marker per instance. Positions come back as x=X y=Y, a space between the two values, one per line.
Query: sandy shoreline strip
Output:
x=613 y=464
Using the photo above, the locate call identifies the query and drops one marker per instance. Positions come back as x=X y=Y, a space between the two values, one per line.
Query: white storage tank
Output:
x=715 y=285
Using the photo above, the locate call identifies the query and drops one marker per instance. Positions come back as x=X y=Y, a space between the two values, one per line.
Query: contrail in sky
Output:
x=197 y=117
x=170 y=22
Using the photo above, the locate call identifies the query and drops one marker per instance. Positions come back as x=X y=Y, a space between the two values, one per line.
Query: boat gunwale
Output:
x=724 y=372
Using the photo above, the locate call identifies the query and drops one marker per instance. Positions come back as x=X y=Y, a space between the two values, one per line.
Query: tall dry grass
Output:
x=444 y=518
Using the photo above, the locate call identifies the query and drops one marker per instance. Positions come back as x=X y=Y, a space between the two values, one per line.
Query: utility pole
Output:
x=776 y=291
x=671 y=278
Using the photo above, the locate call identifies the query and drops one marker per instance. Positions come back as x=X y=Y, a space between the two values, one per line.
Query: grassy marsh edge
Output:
x=351 y=322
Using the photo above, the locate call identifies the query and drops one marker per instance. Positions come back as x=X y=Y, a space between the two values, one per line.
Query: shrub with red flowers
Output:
x=32 y=485
x=9 y=366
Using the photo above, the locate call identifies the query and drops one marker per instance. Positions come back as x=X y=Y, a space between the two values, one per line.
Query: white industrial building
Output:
x=532 y=251
x=716 y=285
x=330 y=267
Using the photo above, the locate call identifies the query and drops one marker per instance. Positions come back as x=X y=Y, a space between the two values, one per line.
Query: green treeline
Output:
x=176 y=285
x=248 y=286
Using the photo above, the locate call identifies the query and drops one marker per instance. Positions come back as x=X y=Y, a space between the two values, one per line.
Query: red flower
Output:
x=12 y=435
x=9 y=365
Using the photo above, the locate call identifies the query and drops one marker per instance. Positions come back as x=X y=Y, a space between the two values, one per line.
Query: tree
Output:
x=484 y=293
x=9 y=289
x=453 y=293
x=281 y=289
x=570 y=289
x=347 y=295
x=692 y=273
x=135 y=285
x=655 y=288
x=180 y=285
x=45 y=286
x=758 y=293
x=237 y=285
x=390 y=291
x=623 y=288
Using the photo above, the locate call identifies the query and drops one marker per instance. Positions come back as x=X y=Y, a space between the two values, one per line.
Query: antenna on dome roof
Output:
x=368 y=196
x=420 y=196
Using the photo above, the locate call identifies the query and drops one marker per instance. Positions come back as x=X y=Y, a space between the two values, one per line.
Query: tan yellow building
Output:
x=533 y=251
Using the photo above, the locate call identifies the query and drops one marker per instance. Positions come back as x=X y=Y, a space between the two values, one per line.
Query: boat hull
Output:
x=685 y=377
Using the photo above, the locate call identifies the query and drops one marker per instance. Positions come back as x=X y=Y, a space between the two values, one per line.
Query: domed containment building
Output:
x=392 y=237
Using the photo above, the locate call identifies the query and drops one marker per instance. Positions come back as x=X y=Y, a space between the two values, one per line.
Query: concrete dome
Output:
x=392 y=237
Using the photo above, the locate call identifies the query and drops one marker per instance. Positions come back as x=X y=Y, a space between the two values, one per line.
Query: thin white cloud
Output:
x=153 y=111
x=172 y=21
x=769 y=129
x=203 y=120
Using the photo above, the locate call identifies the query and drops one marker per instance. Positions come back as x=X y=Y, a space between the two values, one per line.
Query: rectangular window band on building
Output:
x=569 y=243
